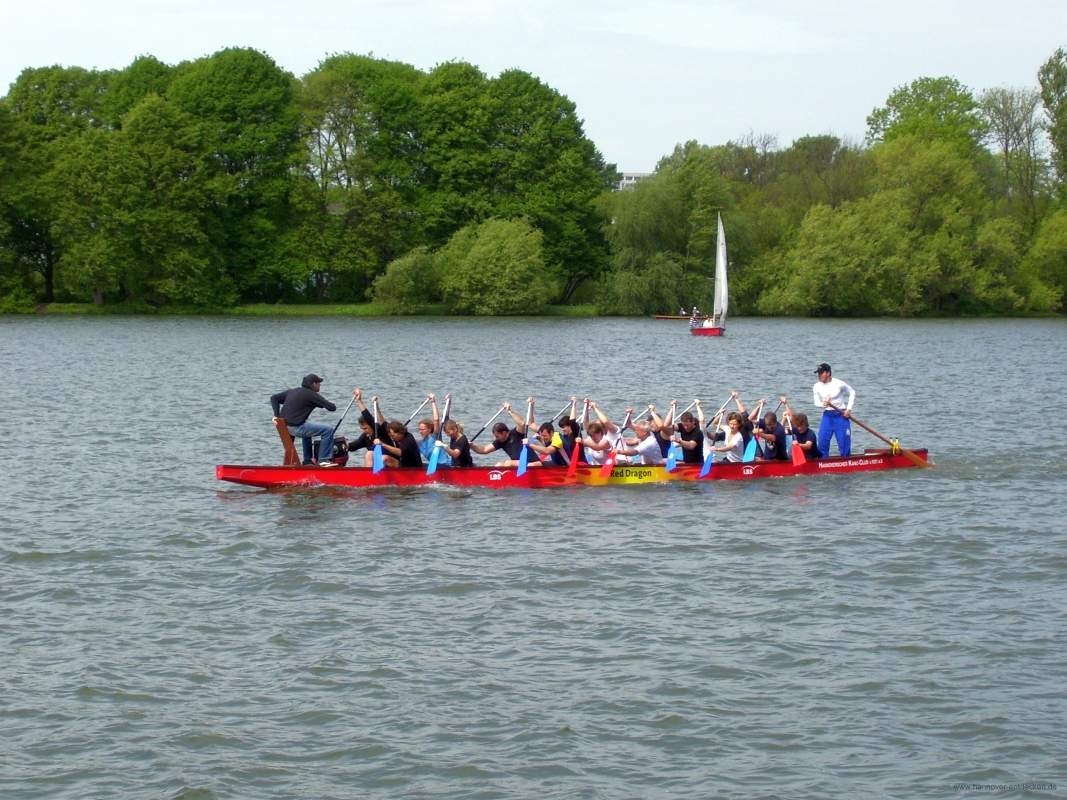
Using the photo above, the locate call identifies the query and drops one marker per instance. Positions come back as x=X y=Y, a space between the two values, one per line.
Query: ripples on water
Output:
x=169 y=636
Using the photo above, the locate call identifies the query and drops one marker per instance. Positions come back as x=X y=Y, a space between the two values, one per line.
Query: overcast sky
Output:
x=644 y=75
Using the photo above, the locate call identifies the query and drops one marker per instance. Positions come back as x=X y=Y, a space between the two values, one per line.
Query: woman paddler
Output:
x=400 y=448
x=428 y=428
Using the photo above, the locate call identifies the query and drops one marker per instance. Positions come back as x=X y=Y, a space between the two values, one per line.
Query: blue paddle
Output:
x=378 y=460
x=705 y=469
x=752 y=447
x=439 y=445
x=672 y=456
x=524 y=455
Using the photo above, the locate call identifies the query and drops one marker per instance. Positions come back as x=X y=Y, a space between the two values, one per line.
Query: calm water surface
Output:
x=167 y=636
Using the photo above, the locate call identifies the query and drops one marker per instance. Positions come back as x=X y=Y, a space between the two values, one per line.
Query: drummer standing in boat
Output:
x=295 y=406
x=830 y=391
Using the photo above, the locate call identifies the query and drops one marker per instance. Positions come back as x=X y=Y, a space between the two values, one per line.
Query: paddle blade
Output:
x=709 y=459
x=799 y=459
x=435 y=456
x=672 y=457
x=572 y=468
x=378 y=462
x=524 y=460
x=750 y=451
x=608 y=465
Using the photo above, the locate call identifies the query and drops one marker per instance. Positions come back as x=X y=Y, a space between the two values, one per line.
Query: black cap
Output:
x=310 y=379
x=823 y=367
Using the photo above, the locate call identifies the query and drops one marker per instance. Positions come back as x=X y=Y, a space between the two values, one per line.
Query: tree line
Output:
x=227 y=180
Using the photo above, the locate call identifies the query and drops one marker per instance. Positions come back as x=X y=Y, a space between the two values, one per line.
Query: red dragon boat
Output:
x=269 y=477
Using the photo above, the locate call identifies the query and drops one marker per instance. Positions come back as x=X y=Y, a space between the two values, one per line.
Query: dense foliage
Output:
x=226 y=180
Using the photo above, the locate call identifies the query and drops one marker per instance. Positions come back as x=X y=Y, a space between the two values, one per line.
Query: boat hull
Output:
x=552 y=477
x=707 y=331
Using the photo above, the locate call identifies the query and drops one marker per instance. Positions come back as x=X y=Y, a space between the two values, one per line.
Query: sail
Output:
x=721 y=294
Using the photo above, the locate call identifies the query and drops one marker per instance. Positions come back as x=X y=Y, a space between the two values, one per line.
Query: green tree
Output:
x=908 y=248
x=145 y=76
x=409 y=282
x=52 y=106
x=544 y=168
x=496 y=268
x=359 y=187
x=248 y=126
x=1044 y=269
x=1053 y=79
x=930 y=108
x=455 y=159
x=1015 y=131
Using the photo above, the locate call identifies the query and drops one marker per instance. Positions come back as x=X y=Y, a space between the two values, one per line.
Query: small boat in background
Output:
x=715 y=325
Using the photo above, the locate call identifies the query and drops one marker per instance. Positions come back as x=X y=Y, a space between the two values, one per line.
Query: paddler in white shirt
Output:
x=830 y=391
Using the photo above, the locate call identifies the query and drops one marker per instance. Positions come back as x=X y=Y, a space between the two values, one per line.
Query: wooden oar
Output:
x=486 y=425
x=908 y=454
x=524 y=454
x=377 y=460
x=439 y=445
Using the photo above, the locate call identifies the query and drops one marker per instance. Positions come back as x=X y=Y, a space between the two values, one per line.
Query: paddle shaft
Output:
x=342 y=419
x=416 y=411
x=907 y=453
x=486 y=425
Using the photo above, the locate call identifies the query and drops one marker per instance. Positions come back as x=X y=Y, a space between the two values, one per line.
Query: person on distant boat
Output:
x=428 y=428
x=510 y=440
x=295 y=406
x=830 y=391
x=400 y=448
x=458 y=448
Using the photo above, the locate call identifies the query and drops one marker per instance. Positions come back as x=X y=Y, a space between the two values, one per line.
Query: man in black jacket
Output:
x=295 y=406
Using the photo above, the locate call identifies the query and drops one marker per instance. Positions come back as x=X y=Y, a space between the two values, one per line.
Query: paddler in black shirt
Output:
x=399 y=449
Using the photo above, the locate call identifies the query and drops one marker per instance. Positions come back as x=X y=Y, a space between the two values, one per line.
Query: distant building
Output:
x=630 y=179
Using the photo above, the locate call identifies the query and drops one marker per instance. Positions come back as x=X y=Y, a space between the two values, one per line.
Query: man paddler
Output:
x=835 y=398
x=295 y=406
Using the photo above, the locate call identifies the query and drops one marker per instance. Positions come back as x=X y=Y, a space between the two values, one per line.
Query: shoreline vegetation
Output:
x=368 y=187
x=379 y=310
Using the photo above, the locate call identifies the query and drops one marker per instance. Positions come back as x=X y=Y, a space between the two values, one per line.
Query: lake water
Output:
x=164 y=635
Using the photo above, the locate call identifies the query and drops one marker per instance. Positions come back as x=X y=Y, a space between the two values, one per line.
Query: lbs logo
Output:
x=748 y=471
x=495 y=475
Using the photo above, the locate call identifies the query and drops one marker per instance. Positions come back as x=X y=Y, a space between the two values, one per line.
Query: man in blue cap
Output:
x=830 y=391
x=295 y=406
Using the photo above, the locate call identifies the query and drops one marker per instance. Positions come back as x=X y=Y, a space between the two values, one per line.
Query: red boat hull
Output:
x=551 y=477
x=707 y=331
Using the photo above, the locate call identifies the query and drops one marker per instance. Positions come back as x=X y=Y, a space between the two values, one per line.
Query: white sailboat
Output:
x=715 y=325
